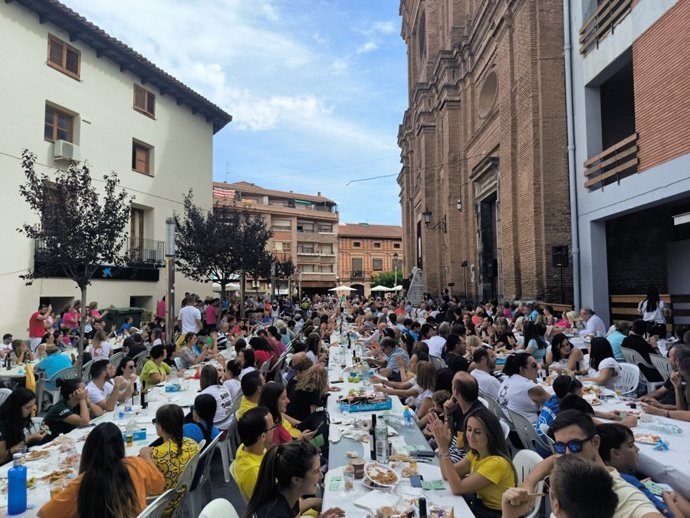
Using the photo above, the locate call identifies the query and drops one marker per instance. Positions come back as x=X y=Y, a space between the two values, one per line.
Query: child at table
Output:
x=617 y=449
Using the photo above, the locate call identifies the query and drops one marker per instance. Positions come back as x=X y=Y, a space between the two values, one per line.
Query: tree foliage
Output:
x=219 y=245
x=77 y=229
x=386 y=279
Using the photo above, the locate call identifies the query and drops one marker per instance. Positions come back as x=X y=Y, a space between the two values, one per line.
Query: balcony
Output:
x=612 y=164
x=145 y=251
x=357 y=274
x=603 y=21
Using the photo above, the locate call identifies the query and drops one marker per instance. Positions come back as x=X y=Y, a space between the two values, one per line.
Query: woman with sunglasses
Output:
x=563 y=355
x=127 y=369
x=519 y=392
x=486 y=471
x=288 y=472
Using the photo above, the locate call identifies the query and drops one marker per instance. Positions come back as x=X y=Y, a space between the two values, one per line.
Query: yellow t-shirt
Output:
x=245 y=405
x=171 y=462
x=498 y=471
x=294 y=432
x=246 y=470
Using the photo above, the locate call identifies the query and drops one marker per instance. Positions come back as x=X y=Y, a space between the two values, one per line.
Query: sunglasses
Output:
x=575 y=446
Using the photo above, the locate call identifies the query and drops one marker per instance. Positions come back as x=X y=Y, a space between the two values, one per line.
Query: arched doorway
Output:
x=359 y=288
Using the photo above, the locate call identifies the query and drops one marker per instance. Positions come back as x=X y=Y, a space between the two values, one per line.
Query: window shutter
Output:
x=151 y=103
x=72 y=61
x=139 y=97
x=55 y=49
x=141 y=159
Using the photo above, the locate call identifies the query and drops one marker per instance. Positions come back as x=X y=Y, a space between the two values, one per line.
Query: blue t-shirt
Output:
x=546 y=417
x=616 y=340
x=194 y=431
x=52 y=364
x=538 y=353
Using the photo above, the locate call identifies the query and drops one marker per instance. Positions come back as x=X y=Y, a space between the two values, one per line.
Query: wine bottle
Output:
x=372 y=437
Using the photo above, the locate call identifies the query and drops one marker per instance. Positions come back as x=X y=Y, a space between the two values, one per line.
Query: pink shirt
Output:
x=211 y=315
x=160 y=309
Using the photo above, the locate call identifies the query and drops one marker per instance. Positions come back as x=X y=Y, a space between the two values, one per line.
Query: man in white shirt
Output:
x=102 y=391
x=434 y=341
x=484 y=364
x=593 y=324
x=190 y=316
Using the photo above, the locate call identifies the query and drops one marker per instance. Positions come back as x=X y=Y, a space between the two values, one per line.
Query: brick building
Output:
x=365 y=249
x=630 y=119
x=484 y=178
x=304 y=229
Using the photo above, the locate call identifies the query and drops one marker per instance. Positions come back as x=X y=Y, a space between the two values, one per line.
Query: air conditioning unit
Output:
x=64 y=150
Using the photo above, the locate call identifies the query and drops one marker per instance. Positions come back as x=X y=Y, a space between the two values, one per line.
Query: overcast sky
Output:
x=317 y=88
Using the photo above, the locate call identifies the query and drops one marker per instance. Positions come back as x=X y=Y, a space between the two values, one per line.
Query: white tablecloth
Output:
x=40 y=494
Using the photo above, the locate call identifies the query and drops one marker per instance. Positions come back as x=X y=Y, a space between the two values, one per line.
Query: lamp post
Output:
x=170 y=267
x=395 y=268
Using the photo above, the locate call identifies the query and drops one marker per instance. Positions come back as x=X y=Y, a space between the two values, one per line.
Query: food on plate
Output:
x=408 y=471
x=351 y=454
x=437 y=511
x=56 y=475
x=381 y=475
x=36 y=454
x=591 y=389
x=71 y=460
x=647 y=438
x=595 y=402
x=401 y=457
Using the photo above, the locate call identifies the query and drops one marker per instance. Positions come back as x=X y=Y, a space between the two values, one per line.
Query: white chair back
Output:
x=524 y=462
x=140 y=360
x=155 y=509
x=200 y=492
x=525 y=430
x=184 y=483
x=86 y=371
x=630 y=378
x=4 y=392
x=505 y=427
x=437 y=362
x=662 y=365
x=219 y=508
x=264 y=368
x=116 y=358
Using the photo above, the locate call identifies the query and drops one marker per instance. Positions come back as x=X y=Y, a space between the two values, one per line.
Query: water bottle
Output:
x=381 y=441
x=16 y=480
x=407 y=417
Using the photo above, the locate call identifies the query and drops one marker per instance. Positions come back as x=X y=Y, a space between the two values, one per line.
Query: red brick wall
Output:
x=662 y=81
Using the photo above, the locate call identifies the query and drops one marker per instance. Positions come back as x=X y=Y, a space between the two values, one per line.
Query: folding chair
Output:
x=524 y=462
x=155 y=509
x=42 y=385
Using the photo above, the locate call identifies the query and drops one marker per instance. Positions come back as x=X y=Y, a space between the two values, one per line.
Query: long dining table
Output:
x=348 y=435
x=63 y=452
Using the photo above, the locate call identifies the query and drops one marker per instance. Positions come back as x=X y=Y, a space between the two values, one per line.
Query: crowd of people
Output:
x=439 y=357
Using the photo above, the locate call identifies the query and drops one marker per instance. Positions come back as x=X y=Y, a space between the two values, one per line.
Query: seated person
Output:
x=53 y=363
x=203 y=412
x=72 y=410
x=577 y=488
x=210 y=384
x=404 y=389
x=247 y=361
x=486 y=471
x=231 y=379
x=562 y=355
x=274 y=398
x=519 y=392
x=389 y=366
x=21 y=353
x=120 y=483
x=484 y=362
x=256 y=430
x=16 y=425
x=575 y=434
x=171 y=457
x=603 y=367
x=665 y=396
x=155 y=369
x=100 y=347
x=309 y=392
x=682 y=389
x=192 y=352
x=617 y=449
x=252 y=383
x=105 y=389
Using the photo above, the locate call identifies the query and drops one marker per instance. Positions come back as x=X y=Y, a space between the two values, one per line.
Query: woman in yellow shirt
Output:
x=171 y=457
x=486 y=471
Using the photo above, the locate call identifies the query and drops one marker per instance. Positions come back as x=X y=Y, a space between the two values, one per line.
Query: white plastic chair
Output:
x=116 y=358
x=526 y=431
x=662 y=365
x=219 y=508
x=437 y=362
x=264 y=368
x=505 y=427
x=42 y=385
x=483 y=401
x=630 y=377
x=632 y=356
x=200 y=493
x=524 y=462
x=140 y=360
x=155 y=509
x=4 y=392
x=178 y=363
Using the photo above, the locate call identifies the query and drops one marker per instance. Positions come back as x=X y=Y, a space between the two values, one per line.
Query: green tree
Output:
x=78 y=229
x=386 y=279
x=221 y=246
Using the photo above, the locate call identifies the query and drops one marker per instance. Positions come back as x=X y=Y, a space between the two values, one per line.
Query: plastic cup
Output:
x=129 y=439
x=348 y=478
x=618 y=389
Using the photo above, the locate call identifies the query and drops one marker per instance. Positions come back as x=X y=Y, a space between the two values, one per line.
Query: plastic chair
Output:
x=155 y=509
x=505 y=427
x=140 y=360
x=116 y=358
x=86 y=371
x=662 y=365
x=525 y=430
x=200 y=492
x=483 y=401
x=42 y=385
x=545 y=430
x=218 y=508
x=264 y=368
x=524 y=462
x=178 y=363
x=274 y=372
x=234 y=481
x=630 y=378
x=495 y=407
x=632 y=356
x=437 y=362
x=4 y=392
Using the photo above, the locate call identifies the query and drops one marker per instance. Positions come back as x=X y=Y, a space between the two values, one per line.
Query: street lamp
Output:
x=395 y=268
x=442 y=225
x=170 y=266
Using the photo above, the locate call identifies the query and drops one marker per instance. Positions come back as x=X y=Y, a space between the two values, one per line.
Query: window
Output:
x=142 y=157
x=326 y=268
x=58 y=125
x=144 y=101
x=305 y=226
x=308 y=268
x=377 y=244
x=281 y=225
x=326 y=249
x=377 y=265
x=396 y=246
x=282 y=246
x=357 y=244
x=63 y=57
x=357 y=272
x=325 y=227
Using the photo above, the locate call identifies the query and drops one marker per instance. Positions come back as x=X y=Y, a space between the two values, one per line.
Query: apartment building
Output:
x=484 y=177
x=364 y=250
x=72 y=92
x=304 y=229
x=629 y=132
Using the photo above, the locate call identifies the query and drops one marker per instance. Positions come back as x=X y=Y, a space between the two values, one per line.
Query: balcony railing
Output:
x=357 y=274
x=603 y=21
x=147 y=251
x=613 y=163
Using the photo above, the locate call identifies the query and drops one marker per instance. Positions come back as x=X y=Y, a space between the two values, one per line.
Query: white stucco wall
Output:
x=107 y=123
